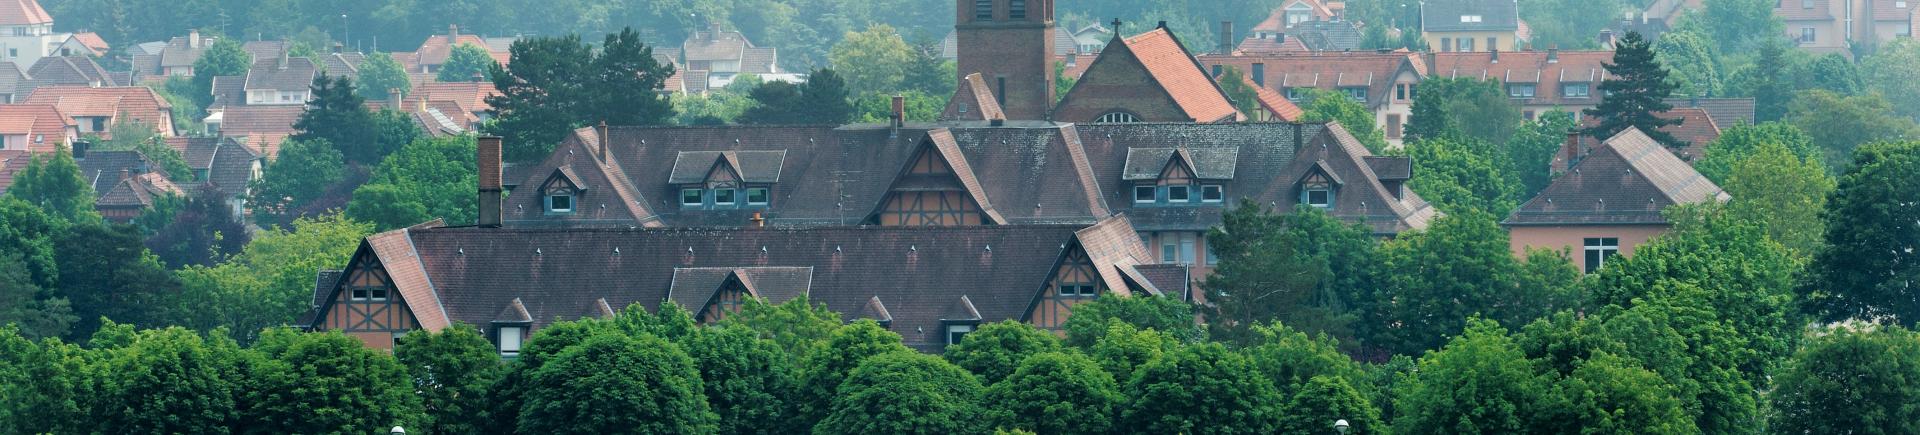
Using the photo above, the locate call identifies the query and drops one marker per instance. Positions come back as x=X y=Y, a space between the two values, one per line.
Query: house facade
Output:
x=35 y=128
x=26 y=32
x=95 y=110
x=1471 y=25
x=1383 y=82
x=1538 y=81
x=1607 y=200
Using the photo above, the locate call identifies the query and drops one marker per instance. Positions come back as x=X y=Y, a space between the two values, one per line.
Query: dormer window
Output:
x=1146 y=194
x=509 y=340
x=560 y=201
x=757 y=196
x=1320 y=196
x=723 y=196
x=692 y=197
x=719 y=179
x=1212 y=193
x=1178 y=194
x=1319 y=188
x=1179 y=177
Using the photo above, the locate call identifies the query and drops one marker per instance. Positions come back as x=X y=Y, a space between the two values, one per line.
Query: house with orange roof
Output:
x=1384 y=82
x=35 y=128
x=26 y=32
x=437 y=48
x=1540 y=81
x=261 y=128
x=1149 y=77
x=96 y=110
x=84 y=44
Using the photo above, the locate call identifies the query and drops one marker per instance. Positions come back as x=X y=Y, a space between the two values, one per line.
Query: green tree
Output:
x=1839 y=124
x=560 y=83
x=1123 y=348
x=749 y=380
x=1855 y=378
x=224 y=58
x=1462 y=174
x=303 y=173
x=1261 y=276
x=624 y=83
x=1636 y=90
x=1435 y=280
x=270 y=282
x=826 y=369
x=996 y=349
x=1055 y=393
x=1694 y=63
x=798 y=326
x=36 y=312
x=380 y=74
x=325 y=382
x=201 y=232
x=1738 y=25
x=466 y=63
x=1782 y=192
x=105 y=272
x=1289 y=359
x=615 y=383
x=1830 y=72
x=1327 y=106
x=164 y=381
x=1771 y=90
x=1479 y=383
x=1609 y=394
x=1533 y=146
x=1326 y=399
x=1232 y=82
x=1165 y=314
x=1200 y=389
x=906 y=392
x=825 y=93
x=339 y=117
x=1870 y=264
x=44 y=386
x=427 y=179
x=878 y=108
x=507 y=398
x=1888 y=70
x=31 y=233
x=1478 y=108
x=54 y=183
x=1568 y=25
x=450 y=372
x=1743 y=141
x=874 y=60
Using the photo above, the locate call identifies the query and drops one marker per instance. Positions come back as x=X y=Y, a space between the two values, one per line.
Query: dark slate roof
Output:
x=1446 y=15
x=1627 y=180
x=343 y=64
x=973 y=101
x=1167 y=277
x=138 y=191
x=1392 y=168
x=759 y=61
x=10 y=79
x=291 y=74
x=181 y=53
x=101 y=169
x=229 y=164
x=753 y=166
x=1726 y=112
x=323 y=283
x=472 y=275
x=694 y=287
x=1213 y=163
x=1327 y=35
x=63 y=70
x=229 y=91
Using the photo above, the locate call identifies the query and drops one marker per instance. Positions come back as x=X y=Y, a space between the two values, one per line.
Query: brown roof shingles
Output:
x=1628 y=180
x=1547 y=70
x=1326 y=70
x=263 y=126
x=121 y=104
x=43 y=125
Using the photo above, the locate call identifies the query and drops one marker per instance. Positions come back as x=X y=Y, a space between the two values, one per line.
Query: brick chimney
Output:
x=1553 y=54
x=193 y=38
x=453 y=34
x=605 y=136
x=1226 y=37
x=1568 y=155
x=490 y=188
x=394 y=98
x=899 y=111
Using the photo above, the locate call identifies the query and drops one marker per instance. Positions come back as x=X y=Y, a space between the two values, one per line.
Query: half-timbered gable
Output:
x=719 y=180
x=713 y=293
x=559 y=194
x=1179 y=177
x=364 y=303
x=937 y=188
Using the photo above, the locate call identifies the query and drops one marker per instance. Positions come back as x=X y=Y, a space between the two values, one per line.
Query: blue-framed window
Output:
x=726 y=197
x=560 y=201
x=1175 y=195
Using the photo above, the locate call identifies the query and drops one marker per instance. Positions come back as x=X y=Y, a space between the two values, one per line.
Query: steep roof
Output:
x=1697 y=129
x=973 y=101
x=1726 y=112
x=1277 y=21
x=1327 y=35
x=1548 y=70
x=263 y=126
x=92 y=41
x=228 y=164
x=1174 y=69
x=101 y=169
x=759 y=61
x=11 y=77
x=183 y=52
x=12 y=162
x=472 y=275
x=1275 y=105
x=23 y=13
x=138 y=191
x=1469 y=15
x=1627 y=180
x=343 y=64
x=35 y=121
x=122 y=104
x=284 y=74
x=470 y=95
x=437 y=48
x=64 y=70
x=1328 y=70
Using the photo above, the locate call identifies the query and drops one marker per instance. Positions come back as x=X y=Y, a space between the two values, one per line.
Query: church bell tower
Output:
x=1010 y=44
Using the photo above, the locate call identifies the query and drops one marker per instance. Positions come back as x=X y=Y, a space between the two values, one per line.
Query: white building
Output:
x=26 y=32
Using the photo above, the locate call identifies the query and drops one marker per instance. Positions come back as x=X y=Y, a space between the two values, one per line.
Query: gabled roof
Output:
x=1328 y=70
x=122 y=104
x=92 y=41
x=1628 y=180
x=181 y=52
x=264 y=127
x=514 y=312
x=470 y=95
x=11 y=77
x=1548 y=70
x=1277 y=21
x=874 y=310
x=691 y=167
x=1204 y=163
x=715 y=45
x=469 y=275
x=694 y=287
x=973 y=101
x=437 y=48
x=1452 y=15
x=43 y=124
x=228 y=164
x=1327 y=35
x=138 y=191
x=1174 y=69
x=64 y=70
x=1726 y=112
x=23 y=13
x=12 y=162
x=1275 y=105
x=345 y=64
x=284 y=74
x=1697 y=129
x=102 y=169
x=961 y=310
x=760 y=61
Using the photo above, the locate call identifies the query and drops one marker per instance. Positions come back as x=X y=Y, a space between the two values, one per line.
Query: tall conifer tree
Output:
x=1635 y=91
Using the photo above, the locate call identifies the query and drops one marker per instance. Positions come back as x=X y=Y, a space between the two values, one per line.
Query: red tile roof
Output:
x=1175 y=70
x=470 y=95
x=436 y=49
x=973 y=101
x=120 y=104
x=1277 y=21
x=11 y=162
x=263 y=126
x=92 y=41
x=1277 y=44
x=1547 y=70
x=1275 y=105
x=1328 y=70
x=36 y=120
x=23 y=13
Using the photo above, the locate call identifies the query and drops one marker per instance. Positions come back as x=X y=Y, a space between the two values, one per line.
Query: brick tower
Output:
x=1010 y=44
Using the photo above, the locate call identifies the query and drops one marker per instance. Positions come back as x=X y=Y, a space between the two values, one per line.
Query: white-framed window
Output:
x=1598 y=250
x=1117 y=118
x=1471 y=18
x=1177 y=248
x=1520 y=90
x=1145 y=194
x=560 y=201
x=955 y=333
x=1213 y=193
x=368 y=294
x=1357 y=93
x=1807 y=34
x=1576 y=90
x=1078 y=289
x=757 y=196
x=1317 y=191
x=1179 y=194
x=1296 y=94
x=692 y=197
x=509 y=340
x=723 y=196
x=1466 y=44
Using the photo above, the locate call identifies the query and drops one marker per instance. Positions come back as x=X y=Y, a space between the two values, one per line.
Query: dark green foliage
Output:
x=1164 y=314
x=559 y=83
x=30 y=232
x=1200 y=389
x=1478 y=108
x=996 y=349
x=338 y=116
x=1636 y=88
x=1324 y=400
x=44 y=386
x=826 y=369
x=105 y=272
x=1853 y=378
x=1461 y=266
x=878 y=108
x=821 y=100
x=427 y=179
x=670 y=322
x=304 y=172
x=1870 y=266
x=1832 y=73
x=775 y=102
x=1739 y=25
x=466 y=63
x=1784 y=193
x=224 y=58
x=1739 y=142
x=1235 y=85
x=825 y=95
x=615 y=383
x=507 y=397
x=798 y=326
x=54 y=183
x=1533 y=147
x=1123 y=348
x=1839 y=124
x=450 y=372
x=1055 y=393
x=37 y=312
x=380 y=74
x=1289 y=359
x=1479 y=383
x=202 y=232
x=906 y=392
x=1262 y=277
x=1327 y=106
x=1461 y=174
x=1609 y=394
x=164 y=381
x=1771 y=92
x=749 y=380
x=324 y=382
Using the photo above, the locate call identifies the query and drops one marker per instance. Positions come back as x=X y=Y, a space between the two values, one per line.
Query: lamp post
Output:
x=1339 y=425
x=397 y=430
x=346 y=34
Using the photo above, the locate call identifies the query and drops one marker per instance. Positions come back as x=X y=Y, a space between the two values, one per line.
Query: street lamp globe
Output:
x=1341 y=425
x=397 y=430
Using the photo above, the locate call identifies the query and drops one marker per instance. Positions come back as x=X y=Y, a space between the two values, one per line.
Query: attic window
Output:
x=957 y=332
x=691 y=197
x=560 y=201
x=1470 y=18
x=1212 y=193
x=1317 y=191
x=1145 y=194
x=1520 y=90
x=757 y=196
x=509 y=340
x=1357 y=93
x=723 y=196
x=1117 y=118
x=369 y=293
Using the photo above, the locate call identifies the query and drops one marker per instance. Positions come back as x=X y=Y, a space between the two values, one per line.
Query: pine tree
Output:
x=341 y=118
x=824 y=98
x=1770 y=95
x=1636 y=91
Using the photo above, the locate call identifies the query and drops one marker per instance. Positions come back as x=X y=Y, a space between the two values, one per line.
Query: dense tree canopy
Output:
x=1846 y=379
x=905 y=392
x=560 y=83
x=1055 y=393
x=1870 y=265
x=425 y=180
x=616 y=383
x=466 y=63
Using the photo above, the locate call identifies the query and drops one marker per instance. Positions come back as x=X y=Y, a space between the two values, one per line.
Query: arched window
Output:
x=1117 y=118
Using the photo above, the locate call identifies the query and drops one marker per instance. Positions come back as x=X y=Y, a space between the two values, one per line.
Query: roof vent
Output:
x=538 y=251
x=763 y=249
x=462 y=251
x=616 y=250
x=989 y=248
x=913 y=248
x=736 y=141
x=836 y=248
x=689 y=249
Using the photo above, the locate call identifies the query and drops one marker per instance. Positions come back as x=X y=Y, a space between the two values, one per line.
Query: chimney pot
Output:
x=604 y=138
x=394 y=98
x=490 y=186
x=193 y=38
